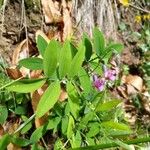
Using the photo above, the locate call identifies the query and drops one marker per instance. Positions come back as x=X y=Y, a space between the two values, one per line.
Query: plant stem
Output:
x=113 y=144
x=25 y=123
x=10 y=83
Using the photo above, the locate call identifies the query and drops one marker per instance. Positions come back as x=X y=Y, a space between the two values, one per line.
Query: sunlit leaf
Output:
x=99 y=41
x=115 y=47
x=26 y=85
x=51 y=58
x=70 y=128
x=27 y=127
x=41 y=44
x=77 y=61
x=4 y=141
x=115 y=125
x=37 y=134
x=32 y=63
x=107 y=106
x=76 y=140
x=65 y=59
x=48 y=99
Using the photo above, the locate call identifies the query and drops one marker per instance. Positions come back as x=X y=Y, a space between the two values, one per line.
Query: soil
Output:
x=15 y=25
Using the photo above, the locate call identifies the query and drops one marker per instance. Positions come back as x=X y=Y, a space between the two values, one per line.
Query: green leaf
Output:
x=73 y=50
x=20 y=110
x=20 y=141
x=77 y=61
x=94 y=129
x=26 y=85
x=41 y=44
x=65 y=59
x=3 y=114
x=32 y=63
x=115 y=125
x=88 y=47
x=27 y=127
x=70 y=128
x=73 y=100
x=90 y=141
x=37 y=147
x=64 y=125
x=51 y=58
x=115 y=47
x=99 y=41
x=4 y=141
x=38 y=133
x=58 y=145
x=85 y=80
x=53 y=123
x=76 y=140
x=107 y=106
x=84 y=121
x=48 y=99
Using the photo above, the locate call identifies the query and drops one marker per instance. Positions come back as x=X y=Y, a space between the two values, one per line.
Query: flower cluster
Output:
x=109 y=75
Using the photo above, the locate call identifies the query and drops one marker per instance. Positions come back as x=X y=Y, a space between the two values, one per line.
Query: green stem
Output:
x=10 y=83
x=25 y=123
x=113 y=144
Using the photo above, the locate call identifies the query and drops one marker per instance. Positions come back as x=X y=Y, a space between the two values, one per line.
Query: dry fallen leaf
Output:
x=20 y=52
x=1 y=131
x=14 y=73
x=63 y=95
x=131 y=90
x=12 y=146
x=35 y=98
x=135 y=81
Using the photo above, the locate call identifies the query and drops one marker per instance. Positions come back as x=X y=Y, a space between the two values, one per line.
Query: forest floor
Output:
x=20 y=22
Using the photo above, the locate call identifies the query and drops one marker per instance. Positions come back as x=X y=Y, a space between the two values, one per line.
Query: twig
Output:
x=136 y=7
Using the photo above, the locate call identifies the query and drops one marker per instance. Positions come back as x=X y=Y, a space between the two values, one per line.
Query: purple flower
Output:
x=98 y=83
x=110 y=74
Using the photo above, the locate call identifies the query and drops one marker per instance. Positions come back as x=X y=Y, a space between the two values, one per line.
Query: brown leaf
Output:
x=20 y=52
x=131 y=90
x=36 y=96
x=1 y=131
x=135 y=81
x=12 y=146
x=122 y=92
x=36 y=74
x=14 y=73
x=63 y=95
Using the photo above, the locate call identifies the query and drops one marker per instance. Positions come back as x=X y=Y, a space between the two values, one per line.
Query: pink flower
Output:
x=110 y=74
x=98 y=83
